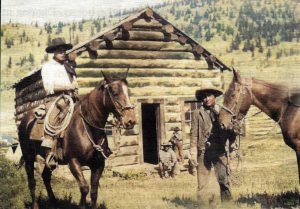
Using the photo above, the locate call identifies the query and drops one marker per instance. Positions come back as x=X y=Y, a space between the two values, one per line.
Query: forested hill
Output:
x=260 y=27
x=246 y=25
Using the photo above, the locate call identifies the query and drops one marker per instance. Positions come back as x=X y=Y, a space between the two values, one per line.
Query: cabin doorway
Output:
x=151 y=132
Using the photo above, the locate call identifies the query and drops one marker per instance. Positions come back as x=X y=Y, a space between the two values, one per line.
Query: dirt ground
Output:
x=265 y=178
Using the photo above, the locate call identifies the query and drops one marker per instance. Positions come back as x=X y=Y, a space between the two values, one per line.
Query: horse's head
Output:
x=237 y=101
x=116 y=100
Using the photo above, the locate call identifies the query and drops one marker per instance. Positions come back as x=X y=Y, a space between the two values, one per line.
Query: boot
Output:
x=226 y=195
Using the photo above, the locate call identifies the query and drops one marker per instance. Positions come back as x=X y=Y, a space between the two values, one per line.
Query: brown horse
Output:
x=273 y=99
x=83 y=137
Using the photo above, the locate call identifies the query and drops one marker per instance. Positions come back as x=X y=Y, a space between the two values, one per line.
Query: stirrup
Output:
x=50 y=161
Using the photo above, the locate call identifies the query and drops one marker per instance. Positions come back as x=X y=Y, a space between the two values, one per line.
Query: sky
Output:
x=42 y=11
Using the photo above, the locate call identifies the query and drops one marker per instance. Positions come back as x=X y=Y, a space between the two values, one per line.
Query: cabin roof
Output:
x=146 y=13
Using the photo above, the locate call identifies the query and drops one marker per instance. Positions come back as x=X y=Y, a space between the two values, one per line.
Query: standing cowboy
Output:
x=207 y=145
x=177 y=144
x=59 y=78
x=168 y=165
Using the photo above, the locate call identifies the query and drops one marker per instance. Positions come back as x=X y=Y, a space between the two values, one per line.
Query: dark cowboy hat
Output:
x=176 y=129
x=58 y=43
x=201 y=93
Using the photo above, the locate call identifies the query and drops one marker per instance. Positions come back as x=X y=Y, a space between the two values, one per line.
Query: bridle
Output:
x=115 y=102
x=119 y=118
x=118 y=110
x=237 y=118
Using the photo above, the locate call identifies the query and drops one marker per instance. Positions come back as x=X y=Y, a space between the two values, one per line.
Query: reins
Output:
x=97 y=147
x=119 y=127
x=120 y=112
x=238 y=122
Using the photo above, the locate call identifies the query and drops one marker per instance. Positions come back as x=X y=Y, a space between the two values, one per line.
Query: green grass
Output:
x=266 y=178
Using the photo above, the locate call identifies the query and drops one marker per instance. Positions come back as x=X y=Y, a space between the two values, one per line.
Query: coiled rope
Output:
x=56 y=130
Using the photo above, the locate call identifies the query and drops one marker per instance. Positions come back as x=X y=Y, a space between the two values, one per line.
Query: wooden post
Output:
x=94 y=45
x=148 y=14
x=127 y=26
x=72 y=56
x=109 y=36
x=80 y=50
x=198 y=49
x=209 y=63
x=182 y=39
x=125 y=30
x=168 y=28
x=92 y=53
x=212 y=58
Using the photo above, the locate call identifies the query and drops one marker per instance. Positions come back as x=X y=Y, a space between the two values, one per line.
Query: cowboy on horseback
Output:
x=59 y=81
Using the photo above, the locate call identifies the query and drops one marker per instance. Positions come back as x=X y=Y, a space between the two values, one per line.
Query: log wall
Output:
x=161 y=65
x=164 y=69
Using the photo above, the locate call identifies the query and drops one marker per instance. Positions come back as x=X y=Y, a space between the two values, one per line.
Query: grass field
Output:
x=266 y=178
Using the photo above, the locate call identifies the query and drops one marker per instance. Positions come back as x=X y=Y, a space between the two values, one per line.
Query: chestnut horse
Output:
x=83 y=137
x=275 y=100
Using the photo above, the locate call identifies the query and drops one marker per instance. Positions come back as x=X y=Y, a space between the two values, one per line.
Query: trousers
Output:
x=206 y=159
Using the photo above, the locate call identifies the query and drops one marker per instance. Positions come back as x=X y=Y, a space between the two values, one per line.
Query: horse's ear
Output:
x=100 y=85
x=126 y=74
x=236 y=75
x=106 y=77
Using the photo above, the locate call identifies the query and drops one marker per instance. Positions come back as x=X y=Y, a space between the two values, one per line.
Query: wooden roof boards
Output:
x=146 y=31
x=141 y=36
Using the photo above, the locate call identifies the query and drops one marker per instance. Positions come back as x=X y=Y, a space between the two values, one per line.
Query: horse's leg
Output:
x=46 y=175
x=28 y=150
x=96 y=173
x=29 y=167
x=298 y=161
x=75 y=168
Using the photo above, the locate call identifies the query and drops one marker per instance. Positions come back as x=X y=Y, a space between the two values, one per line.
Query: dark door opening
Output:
x=150 y=121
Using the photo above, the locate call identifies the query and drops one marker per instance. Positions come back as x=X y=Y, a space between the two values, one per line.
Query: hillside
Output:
x=260 y=38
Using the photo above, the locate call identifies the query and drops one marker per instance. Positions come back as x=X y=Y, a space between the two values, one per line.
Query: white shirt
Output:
x=55 y=78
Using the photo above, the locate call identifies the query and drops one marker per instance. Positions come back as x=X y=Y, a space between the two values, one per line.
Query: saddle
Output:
x=294 y=97
x=55 y=116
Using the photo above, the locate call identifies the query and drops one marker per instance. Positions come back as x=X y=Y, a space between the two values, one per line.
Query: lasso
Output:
x=55 y=130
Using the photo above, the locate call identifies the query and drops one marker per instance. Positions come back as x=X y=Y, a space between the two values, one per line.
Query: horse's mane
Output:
x=279 y=88
x=84 y=98
x=271 y=85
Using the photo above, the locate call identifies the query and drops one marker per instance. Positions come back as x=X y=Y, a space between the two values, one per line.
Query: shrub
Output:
x=13 y=181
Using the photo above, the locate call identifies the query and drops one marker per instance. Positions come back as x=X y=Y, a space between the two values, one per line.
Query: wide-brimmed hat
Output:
x=58 y=43
x=202 y=93
x=166 y=144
